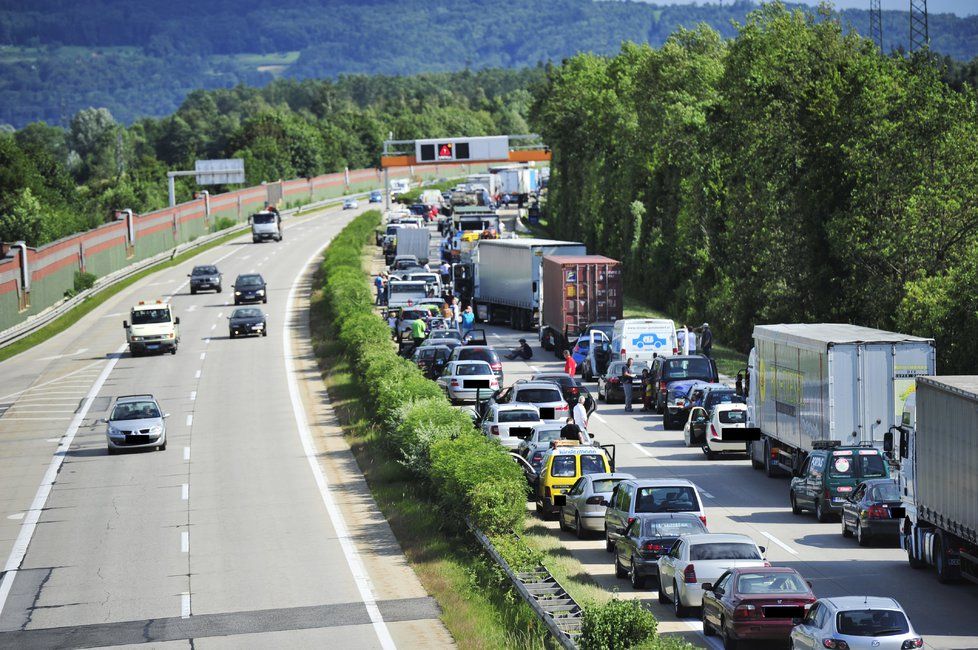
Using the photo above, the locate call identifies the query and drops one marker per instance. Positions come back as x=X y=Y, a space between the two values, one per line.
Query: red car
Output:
x=755 y=604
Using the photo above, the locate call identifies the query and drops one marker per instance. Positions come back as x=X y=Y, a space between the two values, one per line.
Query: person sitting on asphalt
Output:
x=523 y=351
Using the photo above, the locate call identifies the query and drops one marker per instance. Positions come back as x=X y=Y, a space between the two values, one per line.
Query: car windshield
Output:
x=733 y=417
x=135 y=411
x=445 y=334
x=407 y=287
x=872 y=622
x=606 y=484
x=724 y=551
x=247 y=313
x=615 y=369
x=885 y=492
x=563 y=466
x=478 y=354
x=858 y=464
x=469 y=369
x=695 y=368
x=204 y=270
x=412 y=314
x=538 y=395
x=678 y=498
x=150 y=316
x=249 y=281
x=263 y=217
x=548 y=435
x=562 y=380
x=721 y=397
x=518 y=416
x=592 y=464
x=771 y=583
x=655 y=527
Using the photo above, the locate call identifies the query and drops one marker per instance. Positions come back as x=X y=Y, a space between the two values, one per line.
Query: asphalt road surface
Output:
x=254 y=527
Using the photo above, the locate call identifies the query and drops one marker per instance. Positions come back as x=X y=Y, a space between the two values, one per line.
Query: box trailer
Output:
x=827 y=383
x=508 y=278
x=936 y=451
x=577 y=291
x=414 y=241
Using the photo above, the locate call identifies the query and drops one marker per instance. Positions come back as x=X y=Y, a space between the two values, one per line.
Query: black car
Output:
x=668 y=369
x=571 y=388
x=245 y=321
x=648 y=537
x=205 y=278
x=249 y=287
x=431 y=359
x=873 y=511
x=610 y=387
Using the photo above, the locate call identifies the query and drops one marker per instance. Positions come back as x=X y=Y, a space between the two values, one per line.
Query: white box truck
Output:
x=827 y=383
x=508 y=276
x=414 y=241
x=935 y=448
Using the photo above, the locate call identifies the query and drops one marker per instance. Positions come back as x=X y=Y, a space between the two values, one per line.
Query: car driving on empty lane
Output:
x=136 y=422
x=245 y=321
x=250 y=287
x=205 y=278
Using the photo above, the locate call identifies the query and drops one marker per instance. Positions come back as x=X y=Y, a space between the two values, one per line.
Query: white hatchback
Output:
x=725 y=432
x=510 y=423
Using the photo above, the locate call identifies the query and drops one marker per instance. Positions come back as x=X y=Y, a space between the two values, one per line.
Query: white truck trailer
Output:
x=936 y=451
x=508 y=276
x=414 y=241
x=827 y=382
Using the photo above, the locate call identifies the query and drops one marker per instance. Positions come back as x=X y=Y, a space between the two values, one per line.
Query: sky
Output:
x=959 y=7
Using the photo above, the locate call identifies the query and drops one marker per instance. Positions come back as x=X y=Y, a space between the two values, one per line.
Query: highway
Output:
x=253 y=529
x=739 y=499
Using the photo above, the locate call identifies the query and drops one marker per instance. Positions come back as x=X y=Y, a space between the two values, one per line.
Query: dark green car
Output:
x=829 y=475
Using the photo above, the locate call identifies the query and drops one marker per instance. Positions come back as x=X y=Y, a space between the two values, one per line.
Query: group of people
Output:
x=699 y=339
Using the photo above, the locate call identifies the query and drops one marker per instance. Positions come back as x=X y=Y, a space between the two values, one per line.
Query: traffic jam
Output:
x=529 y=337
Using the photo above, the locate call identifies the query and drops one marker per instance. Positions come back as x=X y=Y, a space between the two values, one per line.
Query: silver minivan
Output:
x=648 y=495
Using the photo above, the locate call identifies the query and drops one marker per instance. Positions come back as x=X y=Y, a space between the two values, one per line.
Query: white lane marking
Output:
x=51 y=419
x=184 y=542
x=193 y=395
x=190 y=420
x=496 y=335
x=600 y=419
x=704 y=493
x=350 y=552
x=184 y=492
x=197 y=375
x=51 y=381
x=184 y=605
x=27 y=528
x=642 y=449
x=17 y=516
x=220 y=313
x=115 y=315
x=214 y=326
x=534 y=369
x=186 y=453
x=779 y=542
x=697 y=626
x=206 y=341
x=191 y=308
x=52 y=357
x=81 y=350
x=202 y=355
x=17 y=410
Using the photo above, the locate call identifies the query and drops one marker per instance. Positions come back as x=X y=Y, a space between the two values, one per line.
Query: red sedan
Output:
x=754 y=604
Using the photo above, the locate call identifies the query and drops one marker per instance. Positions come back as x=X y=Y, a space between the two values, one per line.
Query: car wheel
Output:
x=861 y=537
x=638 y=582
x=173 y=350
x=219 y=289
x=560 y=519
x=845 y=529
x=678 y=608
x=609 y=545
x=264 y=331
x=707 y=628
x=600 y=395
x=579 y=527
x=729 y=643
x=795 y=508
x=237 y=302
x=619 y=569
x=163 y=446
x=193 y=292
x=230 y=335
x=112 y=451
x=586 y=373
x=662 y=596
x=820 y=512
x=264 y=300
x=710 y=455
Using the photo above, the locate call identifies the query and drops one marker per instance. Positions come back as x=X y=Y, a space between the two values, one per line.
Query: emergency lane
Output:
x=229 y=537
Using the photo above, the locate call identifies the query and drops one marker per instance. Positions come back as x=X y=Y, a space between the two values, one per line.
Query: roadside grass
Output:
x=71 y=317
x=479 y=609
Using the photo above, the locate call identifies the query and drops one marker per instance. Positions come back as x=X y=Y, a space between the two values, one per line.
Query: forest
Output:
x=56 y=181
x=791 y=174
x=141 y=59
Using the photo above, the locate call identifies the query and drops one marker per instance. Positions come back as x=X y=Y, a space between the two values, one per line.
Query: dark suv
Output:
x=205 y=277
x=666 y=370
x=250 y=287
x=829 y=475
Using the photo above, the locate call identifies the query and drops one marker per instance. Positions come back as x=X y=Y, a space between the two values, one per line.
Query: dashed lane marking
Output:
x=779 y=542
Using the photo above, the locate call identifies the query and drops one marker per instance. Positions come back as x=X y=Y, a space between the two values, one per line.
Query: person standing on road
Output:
x=690 y=340
x=706 y=340
x=571 y=431
x=468 y=320
x=379 y=284
x=627 y=376
x=580 y=413
x=417 y=332
x=646 y=390
x=446 y=311
x=570 y=366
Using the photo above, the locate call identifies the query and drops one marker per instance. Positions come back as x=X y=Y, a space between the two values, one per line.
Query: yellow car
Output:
x=566 y=462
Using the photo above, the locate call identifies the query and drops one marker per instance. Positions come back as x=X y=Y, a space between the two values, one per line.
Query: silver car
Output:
x=583 y=509
x=855 y=622
x=533 y=448
x=544 y=395
x=136 y=422
x=468 y=380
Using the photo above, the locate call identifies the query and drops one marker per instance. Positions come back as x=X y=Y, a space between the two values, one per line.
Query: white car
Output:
x=856 y=622
x=350 y=204
x=468 y=380
x=546 y=396
x=510 y=423
x=583 y=509
x=724 y=434
x=696 y=559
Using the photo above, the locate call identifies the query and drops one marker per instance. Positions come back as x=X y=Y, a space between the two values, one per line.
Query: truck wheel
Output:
x=769 y=467
x=547 y=342
x=945 y=574
x=911 y=558
x=756 y=464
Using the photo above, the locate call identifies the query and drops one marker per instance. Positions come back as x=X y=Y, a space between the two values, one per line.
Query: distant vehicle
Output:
x=868 y=513
x=205 y=277
x=245 y=321
x=465 y=381
x=403 y=293
x=250 y=287
x=136 y=422
x=670 y=369
x=610 y=387
x=562 y=466
x=453 y=334
x=642 y=338
x=266 y=225
x=571 y=388
x=592 y=352
x=376 y=196
x=631 y=498
x=534 y=447
x=481 y=353
x=152 y=327
x=508 y=424
x=855 y=622
x=545 y=396
x=755 y=604
x=829 y=475
x=351 y=204
x=583 y=509
x=577 y=292
x=726 y=429
x=647 y=538
x=698 y=559
x=405 y=263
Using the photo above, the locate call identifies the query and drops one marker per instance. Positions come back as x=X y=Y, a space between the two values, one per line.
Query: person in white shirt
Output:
x=580 y=414
x=691 y=340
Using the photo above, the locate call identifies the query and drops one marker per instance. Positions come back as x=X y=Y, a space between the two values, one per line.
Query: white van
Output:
x=641 y=338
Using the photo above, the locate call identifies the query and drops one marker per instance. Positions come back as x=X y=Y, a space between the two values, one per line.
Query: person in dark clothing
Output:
x=571 y=431
x=706 y=340
x=524 y=351
x=739 y=385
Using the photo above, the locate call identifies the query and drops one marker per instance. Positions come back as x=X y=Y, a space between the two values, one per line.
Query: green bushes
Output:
x=469 y=475
x=615 y=625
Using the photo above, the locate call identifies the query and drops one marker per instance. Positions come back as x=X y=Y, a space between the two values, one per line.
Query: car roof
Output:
x=529 y=383
x=681 y=357
x=550 y=425
x=863 y=602
x=663 y=482
x=763 y=569
x=549 y=376
x=730 y=406
x=706 y=538
x=516 y=407
x=668 y=515
x=134 y=398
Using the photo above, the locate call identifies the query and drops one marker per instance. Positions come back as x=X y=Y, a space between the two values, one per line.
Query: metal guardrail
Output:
x=541 y=591
x=52 y=313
